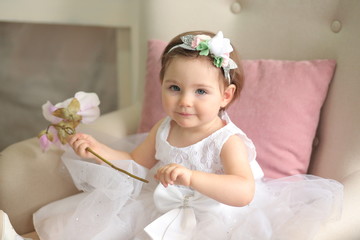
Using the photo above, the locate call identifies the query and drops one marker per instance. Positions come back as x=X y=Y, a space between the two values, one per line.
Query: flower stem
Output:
x=113 y=166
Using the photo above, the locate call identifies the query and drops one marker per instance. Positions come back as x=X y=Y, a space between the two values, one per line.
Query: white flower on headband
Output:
x=218 y=47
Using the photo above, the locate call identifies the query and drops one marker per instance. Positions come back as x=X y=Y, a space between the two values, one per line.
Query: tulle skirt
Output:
x=115 y=206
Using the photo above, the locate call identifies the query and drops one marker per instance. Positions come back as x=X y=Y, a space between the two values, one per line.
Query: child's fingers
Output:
x=167 y=174
x=81 y=145
x=72 y=139
x=79 y=142
x=160 y=175
x=169 y=178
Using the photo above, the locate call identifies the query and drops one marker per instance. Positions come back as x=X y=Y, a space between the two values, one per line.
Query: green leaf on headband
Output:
x=218 y=61
x=203 y=47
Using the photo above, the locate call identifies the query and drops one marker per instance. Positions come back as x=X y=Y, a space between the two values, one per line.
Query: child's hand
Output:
x=174 y=174
x=79 y=142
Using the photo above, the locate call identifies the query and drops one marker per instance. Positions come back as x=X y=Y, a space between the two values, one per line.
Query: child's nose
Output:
x=185 y=100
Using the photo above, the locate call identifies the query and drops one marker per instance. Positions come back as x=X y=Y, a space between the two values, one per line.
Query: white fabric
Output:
x=116 y=207
x=207 y=150
x=7 y=231
x=179 y=221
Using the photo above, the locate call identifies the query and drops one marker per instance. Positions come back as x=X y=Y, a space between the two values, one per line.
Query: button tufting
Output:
x=316 y=142
x=336 y=26
x=235 y=7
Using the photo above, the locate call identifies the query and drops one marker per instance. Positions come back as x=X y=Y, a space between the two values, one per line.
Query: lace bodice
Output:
x=203 y=155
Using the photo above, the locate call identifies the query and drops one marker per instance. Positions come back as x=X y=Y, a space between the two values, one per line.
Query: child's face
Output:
x=191 y=92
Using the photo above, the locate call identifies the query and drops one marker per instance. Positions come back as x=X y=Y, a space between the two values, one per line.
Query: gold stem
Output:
x=113 y=166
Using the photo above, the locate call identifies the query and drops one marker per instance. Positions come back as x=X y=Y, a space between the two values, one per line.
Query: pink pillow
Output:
x=152 y=107
x=279 y=107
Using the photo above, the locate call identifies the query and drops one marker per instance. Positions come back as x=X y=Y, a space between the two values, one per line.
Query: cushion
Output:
x=279 y=107
x=32 y=235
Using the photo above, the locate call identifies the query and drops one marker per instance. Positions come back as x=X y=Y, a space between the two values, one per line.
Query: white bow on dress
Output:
x=179 y=206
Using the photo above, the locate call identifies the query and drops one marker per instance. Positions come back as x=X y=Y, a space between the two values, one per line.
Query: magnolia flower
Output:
x=47 y=110
x=48 y=137
x=44 y=142
x=89 y=109
x=66 y=116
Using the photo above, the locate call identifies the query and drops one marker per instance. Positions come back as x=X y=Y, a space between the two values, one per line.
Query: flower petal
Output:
x=89 y=109
x=87 y=100
x=47 y=110
x=44 y=143
x=89 y=115
x=220 y=46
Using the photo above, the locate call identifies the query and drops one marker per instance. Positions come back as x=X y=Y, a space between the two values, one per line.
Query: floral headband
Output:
x=218 y=47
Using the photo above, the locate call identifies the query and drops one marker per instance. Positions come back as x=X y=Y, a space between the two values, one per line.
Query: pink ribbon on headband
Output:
x=179 y=206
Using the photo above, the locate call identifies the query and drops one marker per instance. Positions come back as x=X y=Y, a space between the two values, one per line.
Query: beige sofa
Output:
x=271 y=29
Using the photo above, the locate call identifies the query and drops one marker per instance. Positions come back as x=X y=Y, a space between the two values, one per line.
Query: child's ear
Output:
x=228 y=95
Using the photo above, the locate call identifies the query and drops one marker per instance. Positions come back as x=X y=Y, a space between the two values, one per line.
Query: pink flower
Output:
x=44 y=143
x=47 y=109
x=64 y=121
x=198 y=39
x=89 y=109
x=226 y=59
x=47 y=137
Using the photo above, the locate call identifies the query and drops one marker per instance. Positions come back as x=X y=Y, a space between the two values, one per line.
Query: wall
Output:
x=40 y=62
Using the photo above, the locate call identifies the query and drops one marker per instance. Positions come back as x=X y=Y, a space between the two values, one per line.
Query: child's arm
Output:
x=235 y=187
x=80 y=141
x=144 y=154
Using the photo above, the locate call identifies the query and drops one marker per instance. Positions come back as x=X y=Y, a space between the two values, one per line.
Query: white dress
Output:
x=114 y=206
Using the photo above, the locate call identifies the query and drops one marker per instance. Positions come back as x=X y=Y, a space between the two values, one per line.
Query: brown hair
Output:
x=236 y=75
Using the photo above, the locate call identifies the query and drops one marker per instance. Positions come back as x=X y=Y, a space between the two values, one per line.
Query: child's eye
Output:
x=174 y=88
x=201 y=91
